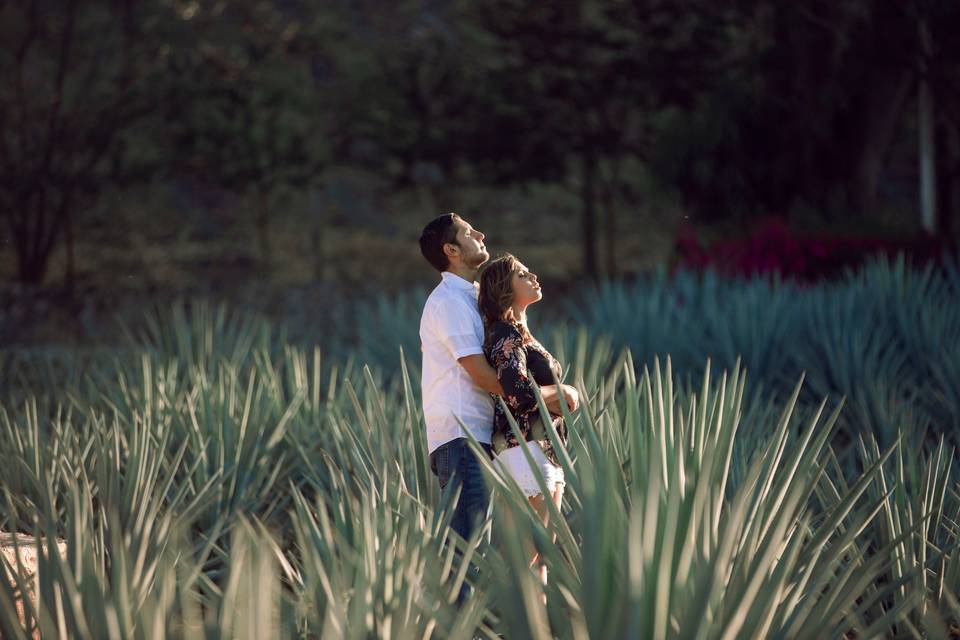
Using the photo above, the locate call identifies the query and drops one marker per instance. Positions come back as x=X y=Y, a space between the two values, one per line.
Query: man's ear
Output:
x=450 y=250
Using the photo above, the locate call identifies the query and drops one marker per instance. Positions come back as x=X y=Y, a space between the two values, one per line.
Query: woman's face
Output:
x=526 y=288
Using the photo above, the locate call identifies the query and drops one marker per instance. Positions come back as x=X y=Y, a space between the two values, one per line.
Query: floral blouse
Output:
x=518 y=367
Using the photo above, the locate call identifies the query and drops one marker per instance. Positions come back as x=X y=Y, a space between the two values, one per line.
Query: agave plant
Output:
x=658 y=542
x=210 y=454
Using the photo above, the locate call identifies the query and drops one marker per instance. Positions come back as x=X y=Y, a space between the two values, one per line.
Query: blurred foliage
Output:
x=244 y=113
x=884 y=336
x=736 y=108
x=772 y=248
x=75 y=79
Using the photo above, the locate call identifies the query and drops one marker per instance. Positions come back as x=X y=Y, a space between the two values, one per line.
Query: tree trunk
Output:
x=36 y=237
x=31 y=266
x=316 y=241
x=927 y=153
x=883 y=106
x=69 y=276
x=610 y=219
x=948 y=169
x=610 y=231
x=927 y=147
x=589 y=216
x=263 y=228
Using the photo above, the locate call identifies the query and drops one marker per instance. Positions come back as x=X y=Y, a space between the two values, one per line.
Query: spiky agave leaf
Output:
x=665 y=549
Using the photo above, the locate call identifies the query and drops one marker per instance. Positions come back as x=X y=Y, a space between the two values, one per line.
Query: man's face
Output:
x=472 y=251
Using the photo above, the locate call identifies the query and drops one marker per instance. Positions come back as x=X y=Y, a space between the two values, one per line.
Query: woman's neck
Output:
x=520 y=314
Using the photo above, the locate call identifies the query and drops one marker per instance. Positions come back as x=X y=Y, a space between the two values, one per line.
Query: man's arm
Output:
x=485 y=377
x=482 y=373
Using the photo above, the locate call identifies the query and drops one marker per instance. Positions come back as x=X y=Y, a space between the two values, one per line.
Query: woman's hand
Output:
x=554 y=394
x=571 y=396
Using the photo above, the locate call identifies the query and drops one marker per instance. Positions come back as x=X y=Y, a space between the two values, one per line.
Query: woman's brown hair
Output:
x=496 y=293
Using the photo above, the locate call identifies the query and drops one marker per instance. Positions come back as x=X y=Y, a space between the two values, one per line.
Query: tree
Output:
x=410 y=93
x=808 y=111
x=595 y=74
x=72 y=82
x=240 y=103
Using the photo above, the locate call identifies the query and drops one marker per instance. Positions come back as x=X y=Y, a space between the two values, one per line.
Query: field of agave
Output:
x=752 y=459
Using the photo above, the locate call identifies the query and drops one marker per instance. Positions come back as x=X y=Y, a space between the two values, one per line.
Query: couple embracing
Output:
x=476 y=346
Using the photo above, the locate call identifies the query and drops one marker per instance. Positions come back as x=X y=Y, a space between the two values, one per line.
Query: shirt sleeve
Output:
x=509 y=358
x=456 y=329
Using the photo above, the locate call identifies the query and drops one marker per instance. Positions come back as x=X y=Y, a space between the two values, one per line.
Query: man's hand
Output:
x=482 y=374
x=554 y=394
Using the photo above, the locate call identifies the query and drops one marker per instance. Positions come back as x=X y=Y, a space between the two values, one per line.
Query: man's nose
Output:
x=480 y=233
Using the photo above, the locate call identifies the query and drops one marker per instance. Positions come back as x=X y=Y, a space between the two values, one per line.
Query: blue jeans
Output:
x=454 y=462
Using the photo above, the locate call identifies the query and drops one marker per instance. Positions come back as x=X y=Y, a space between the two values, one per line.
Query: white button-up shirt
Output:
x=451 y=328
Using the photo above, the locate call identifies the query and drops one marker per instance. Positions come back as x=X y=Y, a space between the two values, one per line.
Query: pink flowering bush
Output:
x=772 y=248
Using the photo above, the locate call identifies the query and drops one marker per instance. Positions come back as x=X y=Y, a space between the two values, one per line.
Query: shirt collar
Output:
x=457 y=282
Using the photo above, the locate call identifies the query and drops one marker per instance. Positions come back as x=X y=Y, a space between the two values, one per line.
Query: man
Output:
x=457 y=380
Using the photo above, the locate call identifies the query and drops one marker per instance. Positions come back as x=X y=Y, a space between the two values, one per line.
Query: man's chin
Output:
x=480 y=260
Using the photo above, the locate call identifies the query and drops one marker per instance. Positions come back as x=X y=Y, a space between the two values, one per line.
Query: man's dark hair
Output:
x=438 y=232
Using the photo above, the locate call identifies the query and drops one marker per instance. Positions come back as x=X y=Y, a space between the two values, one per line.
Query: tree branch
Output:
x=37 y=228
x=66 y=41
x=50 y=237
x=19 y=91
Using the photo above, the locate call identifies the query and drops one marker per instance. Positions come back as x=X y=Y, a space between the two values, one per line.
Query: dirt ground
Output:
x=27 y=548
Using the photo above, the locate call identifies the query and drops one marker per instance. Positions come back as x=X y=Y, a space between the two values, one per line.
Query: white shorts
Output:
x=514 y=463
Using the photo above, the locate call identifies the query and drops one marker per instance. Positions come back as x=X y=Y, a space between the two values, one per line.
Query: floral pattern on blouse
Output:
x=519 y=366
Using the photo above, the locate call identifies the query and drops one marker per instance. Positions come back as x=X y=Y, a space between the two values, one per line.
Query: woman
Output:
x=507 y=288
